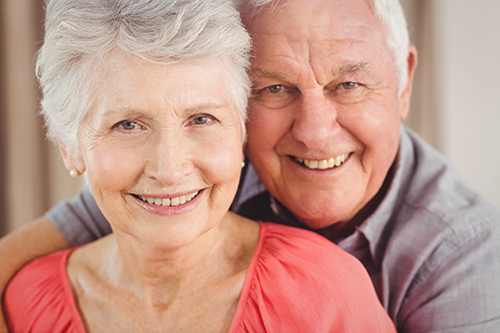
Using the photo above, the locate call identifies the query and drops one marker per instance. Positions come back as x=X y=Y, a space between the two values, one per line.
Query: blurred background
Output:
x=455 y=103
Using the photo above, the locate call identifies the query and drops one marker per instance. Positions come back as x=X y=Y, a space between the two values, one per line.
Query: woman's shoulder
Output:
x=307 y=247
x=300 y=281
x=39 y=297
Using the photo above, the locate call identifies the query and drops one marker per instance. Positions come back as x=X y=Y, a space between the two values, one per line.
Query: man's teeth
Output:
x=323 y=164
x=169 y=201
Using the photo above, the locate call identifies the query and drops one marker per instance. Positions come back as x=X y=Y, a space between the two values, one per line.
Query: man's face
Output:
x=324 y=120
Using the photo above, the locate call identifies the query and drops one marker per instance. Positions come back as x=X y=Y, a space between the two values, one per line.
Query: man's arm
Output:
x=69 y=223
x=33 y=240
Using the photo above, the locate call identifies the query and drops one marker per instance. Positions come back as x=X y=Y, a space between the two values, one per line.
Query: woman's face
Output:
x=162 y=148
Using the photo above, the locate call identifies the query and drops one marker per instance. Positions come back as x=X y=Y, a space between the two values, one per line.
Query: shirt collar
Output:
x=250 y=187
x=375 y=226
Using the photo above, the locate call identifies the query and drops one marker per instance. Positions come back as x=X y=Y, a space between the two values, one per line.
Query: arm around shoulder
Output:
x=36 y=239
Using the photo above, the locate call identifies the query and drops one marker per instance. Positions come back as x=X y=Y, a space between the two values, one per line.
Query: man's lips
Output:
x=329 y=163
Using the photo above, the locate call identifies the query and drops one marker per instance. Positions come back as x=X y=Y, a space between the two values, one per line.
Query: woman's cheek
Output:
x=112 y=161
x=222 y=157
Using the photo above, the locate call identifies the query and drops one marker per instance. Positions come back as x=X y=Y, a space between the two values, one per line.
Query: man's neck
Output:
x=340 y=231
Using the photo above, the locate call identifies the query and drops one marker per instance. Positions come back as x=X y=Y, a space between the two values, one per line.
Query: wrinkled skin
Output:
x=324 y=85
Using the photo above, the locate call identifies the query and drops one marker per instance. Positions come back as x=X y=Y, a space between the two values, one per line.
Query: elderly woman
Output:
x=148 y=98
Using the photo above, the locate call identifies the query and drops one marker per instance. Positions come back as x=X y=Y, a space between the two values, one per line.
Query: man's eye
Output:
x=275 y=96
x=349 y=85
x=278 y=88
x=128 y=125
x=201 y=120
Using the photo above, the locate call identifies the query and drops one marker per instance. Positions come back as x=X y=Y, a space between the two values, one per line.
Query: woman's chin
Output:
x=168 y=234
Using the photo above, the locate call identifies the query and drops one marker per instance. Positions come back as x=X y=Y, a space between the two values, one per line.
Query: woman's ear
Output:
x=73 y=164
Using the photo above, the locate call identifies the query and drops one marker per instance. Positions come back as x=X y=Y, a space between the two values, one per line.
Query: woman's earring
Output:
x=242 y=165
x=73 y=173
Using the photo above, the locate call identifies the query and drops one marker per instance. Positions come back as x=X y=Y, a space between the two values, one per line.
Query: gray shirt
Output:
x=431 y=247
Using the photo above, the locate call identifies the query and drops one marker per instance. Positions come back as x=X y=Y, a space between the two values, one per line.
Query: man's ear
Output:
x=406 y=94
x=70 y=161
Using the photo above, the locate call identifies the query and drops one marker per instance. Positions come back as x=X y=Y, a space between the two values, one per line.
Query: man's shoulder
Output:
x=433 y=194
x=438 y=247
x=449 y=223
x=435 y=217
x=448 y=245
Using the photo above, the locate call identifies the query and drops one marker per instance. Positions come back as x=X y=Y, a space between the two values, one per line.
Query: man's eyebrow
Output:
x=350 y=68
x=259 y=72
x=347 y=68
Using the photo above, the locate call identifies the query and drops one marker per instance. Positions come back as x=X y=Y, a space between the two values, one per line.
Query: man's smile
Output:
x=330 y=163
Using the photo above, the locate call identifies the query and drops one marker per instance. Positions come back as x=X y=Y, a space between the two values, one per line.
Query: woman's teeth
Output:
x=323 y=164
x=169 y=201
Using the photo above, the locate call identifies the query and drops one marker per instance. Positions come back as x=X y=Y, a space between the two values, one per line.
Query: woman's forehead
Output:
x=194 y=80
x=131 y=87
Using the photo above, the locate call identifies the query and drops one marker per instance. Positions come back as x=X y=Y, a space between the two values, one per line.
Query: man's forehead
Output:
x=337 y=56
x=337 y=70
x=320 y=19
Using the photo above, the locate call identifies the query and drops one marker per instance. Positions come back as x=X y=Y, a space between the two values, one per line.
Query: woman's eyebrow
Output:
x=132 y=113
x=206 y=106
x=123 y=112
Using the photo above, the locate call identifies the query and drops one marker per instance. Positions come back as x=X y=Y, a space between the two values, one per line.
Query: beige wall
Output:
x=456 y=102
x=32 y=178
x=467 y=81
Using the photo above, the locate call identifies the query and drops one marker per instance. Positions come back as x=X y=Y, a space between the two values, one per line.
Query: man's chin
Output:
x=318 y=221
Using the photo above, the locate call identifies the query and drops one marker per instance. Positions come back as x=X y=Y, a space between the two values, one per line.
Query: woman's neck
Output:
x=155 y=272
x=159 y=275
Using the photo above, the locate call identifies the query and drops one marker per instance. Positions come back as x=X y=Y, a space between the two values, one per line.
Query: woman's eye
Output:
x=128 y=126
x=201 y=120
x=349 y=85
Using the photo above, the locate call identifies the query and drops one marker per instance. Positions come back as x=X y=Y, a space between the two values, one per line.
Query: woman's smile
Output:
x=168 y=201
x=169 y=205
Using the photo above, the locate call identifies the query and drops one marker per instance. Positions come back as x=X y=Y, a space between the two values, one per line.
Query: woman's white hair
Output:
x=81 y=35
x=389 y=12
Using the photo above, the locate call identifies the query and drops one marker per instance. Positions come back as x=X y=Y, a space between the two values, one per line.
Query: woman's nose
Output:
x=169 y=159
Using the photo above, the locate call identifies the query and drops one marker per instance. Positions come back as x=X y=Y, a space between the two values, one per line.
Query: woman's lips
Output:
x=165 y=202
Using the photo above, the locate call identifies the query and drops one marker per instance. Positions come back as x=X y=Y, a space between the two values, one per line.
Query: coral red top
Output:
x=297 y=282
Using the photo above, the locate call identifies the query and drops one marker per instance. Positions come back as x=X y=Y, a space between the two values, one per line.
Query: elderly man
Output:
x=331 y=84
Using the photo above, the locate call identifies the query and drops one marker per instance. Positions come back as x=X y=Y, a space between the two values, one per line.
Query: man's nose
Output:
x=169 y=159
x=315 y=121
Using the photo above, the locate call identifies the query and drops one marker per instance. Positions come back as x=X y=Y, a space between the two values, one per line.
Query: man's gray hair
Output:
x=82 y=35
x=389 y=12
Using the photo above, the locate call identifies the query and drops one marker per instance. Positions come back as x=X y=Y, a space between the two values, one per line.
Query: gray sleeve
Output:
x=79 y=219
